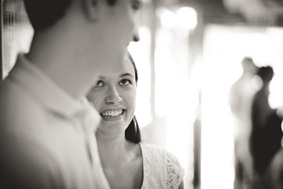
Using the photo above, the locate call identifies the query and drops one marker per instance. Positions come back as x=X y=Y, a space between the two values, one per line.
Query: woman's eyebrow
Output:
x=102 y=77
x=126 y=74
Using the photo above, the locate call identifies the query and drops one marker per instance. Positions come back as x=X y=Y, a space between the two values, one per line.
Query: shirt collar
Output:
x=48 y=93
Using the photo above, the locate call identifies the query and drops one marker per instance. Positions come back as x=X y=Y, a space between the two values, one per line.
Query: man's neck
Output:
x=56 y=55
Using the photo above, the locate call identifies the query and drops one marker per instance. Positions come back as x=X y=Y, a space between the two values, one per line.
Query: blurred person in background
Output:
x=127 y=161
x=274 y=174
x=266 y=128
x=240 y=100
x=46 y=124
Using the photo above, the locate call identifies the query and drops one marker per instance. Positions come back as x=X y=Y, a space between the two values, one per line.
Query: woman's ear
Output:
x=92 y=9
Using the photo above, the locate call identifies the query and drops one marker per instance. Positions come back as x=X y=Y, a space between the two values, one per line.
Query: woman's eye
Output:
x=125 y=82
x=99 y=83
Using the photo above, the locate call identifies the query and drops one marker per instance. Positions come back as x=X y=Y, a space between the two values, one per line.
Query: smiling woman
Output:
x=123 y=154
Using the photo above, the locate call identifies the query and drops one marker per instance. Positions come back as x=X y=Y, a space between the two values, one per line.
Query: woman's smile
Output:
x=111 y=114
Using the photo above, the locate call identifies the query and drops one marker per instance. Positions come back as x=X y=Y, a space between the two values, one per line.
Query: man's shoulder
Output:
x=12 y=93
x=27 y=164
x=21 y=115
x=15 y=100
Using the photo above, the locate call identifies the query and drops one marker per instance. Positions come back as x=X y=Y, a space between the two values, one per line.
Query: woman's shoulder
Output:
x=157 y=151
x=161 y=165
x=152 y=150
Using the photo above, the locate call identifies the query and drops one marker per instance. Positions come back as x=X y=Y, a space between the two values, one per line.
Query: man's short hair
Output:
x=44 y=13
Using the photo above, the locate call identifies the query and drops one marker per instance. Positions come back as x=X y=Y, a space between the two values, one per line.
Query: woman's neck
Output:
x=115 y=149
x=121 y=160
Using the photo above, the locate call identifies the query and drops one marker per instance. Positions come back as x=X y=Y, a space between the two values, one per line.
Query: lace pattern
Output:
x=162 y=169
x=174 y=171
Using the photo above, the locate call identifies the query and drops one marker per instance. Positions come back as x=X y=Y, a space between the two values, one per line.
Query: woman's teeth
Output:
x=112 y=113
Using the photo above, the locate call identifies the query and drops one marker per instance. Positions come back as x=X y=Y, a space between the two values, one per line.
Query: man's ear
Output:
x=91 y=7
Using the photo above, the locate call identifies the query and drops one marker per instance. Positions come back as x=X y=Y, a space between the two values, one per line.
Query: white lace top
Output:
x=161 y=169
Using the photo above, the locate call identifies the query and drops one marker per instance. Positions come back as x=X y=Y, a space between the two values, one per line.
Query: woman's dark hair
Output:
x=133 y=133
x=135 y=68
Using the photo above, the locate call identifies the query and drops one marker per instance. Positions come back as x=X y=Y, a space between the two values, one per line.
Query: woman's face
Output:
x=114 y=96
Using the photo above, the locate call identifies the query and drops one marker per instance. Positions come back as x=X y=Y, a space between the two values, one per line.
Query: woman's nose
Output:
x=113 y=96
